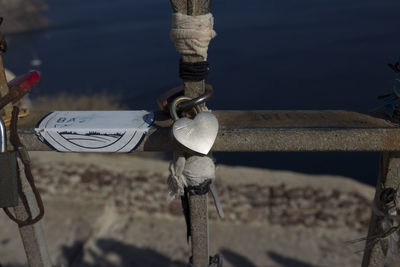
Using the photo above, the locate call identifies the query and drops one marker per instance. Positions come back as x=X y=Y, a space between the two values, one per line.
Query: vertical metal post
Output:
x=388 y=177
x=32 y=235
x=198 y=205
x=3 y=81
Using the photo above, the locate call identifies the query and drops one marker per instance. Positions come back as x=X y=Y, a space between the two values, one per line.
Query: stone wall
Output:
x=22 y=15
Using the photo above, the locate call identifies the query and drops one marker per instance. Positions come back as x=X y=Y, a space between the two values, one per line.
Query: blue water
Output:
x=310 y=54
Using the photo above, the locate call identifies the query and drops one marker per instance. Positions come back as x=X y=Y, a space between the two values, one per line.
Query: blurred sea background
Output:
x=310 y=54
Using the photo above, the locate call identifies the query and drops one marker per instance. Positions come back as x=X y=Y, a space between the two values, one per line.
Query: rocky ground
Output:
x=111 y=210
x=144 y=192
x=22 y=15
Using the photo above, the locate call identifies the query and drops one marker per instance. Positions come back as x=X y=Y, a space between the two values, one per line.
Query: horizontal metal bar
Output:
x=269 y=130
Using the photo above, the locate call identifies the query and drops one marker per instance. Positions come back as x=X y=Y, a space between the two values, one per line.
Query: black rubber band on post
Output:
x=200 y=189
x=193 y=71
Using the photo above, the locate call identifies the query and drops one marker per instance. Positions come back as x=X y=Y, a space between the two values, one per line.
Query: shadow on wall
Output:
x=113 y=253
x=286 y=261
x=240 y=261
x=236 y=259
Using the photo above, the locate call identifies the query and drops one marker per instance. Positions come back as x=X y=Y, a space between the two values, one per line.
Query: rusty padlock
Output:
x=8 y=172
x=169 y=96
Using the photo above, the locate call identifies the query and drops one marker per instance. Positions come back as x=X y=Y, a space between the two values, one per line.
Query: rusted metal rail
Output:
x=240 y=131
x=323 y=130
x=264 y=130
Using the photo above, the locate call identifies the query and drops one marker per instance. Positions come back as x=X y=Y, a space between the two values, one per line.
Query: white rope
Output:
x=192 y=34
x=198 y=170
x=176 y=180
x=192 y=171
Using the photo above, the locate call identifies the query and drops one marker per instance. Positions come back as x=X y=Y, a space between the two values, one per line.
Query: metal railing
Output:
x=253 y=131
x=263 y=130
x=269 y=130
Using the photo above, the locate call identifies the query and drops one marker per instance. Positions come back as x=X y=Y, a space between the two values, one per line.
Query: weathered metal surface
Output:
x=179 y=6
x=198 y=206
x=8 y=180
x=32 y=235
x=3 y=80
x=198 y=7
x=8 y=172
x=323 y=130
x=388 y=178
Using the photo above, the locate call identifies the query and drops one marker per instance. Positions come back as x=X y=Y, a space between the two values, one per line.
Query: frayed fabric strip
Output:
x=176 y=180
x=192 y=34
x=189 y=172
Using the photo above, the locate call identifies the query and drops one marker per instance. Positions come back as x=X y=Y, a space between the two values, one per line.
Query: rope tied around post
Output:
x=193 y=71
x=191 y=172
x=192 y=34
x=194 y=175
x=24 y=157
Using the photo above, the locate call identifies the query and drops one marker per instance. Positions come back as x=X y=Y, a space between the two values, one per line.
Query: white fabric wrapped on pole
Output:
x=192 y=34
x=192 y=171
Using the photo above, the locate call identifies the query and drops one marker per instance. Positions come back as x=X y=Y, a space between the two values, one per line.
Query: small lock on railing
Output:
x=196 y=135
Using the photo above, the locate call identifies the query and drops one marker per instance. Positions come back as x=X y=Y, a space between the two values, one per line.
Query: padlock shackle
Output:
x=188 y=105
x=174 y=104
x=3 y=136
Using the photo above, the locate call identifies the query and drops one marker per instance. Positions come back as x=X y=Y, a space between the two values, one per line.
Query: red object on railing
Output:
x=19 y=87
x=26 y=81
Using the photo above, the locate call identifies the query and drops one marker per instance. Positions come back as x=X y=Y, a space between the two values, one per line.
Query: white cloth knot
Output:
x=192 y=34
x=199 y=169
x=192 y=171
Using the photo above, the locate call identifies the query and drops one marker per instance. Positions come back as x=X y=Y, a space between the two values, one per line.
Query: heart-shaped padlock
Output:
x=197 y=134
